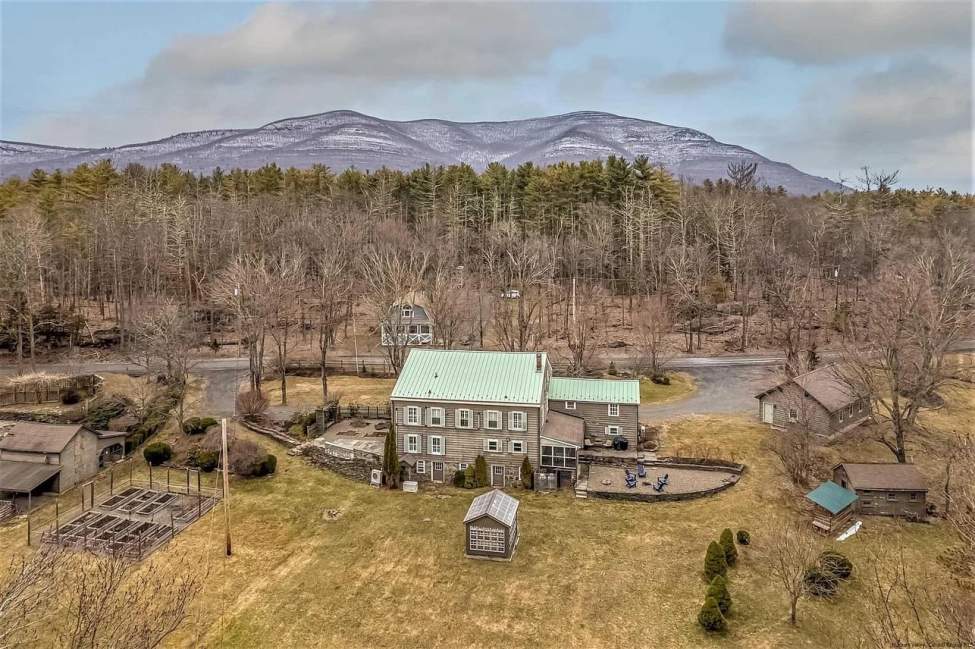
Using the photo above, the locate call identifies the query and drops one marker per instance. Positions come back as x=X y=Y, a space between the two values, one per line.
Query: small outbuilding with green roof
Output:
x=833 y=507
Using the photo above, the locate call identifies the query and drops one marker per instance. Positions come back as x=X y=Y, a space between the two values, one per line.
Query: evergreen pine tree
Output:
x=727 y=542
x=714 y=561
x=710 y=616
x=527 y=474
x=481 y=472
x=470 y=479
x=391 y=458
x=718 y=589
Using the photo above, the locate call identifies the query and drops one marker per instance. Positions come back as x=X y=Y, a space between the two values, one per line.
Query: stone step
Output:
x=582 y=489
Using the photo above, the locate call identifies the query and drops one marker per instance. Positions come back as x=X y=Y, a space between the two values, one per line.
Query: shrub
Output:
x=70 y=397
x=268 y=466
x=744 y=538
x=157 y=453
x=710 y=617
x=660 y=378
x=104 y=409
x=249 y=460
x=714 y=561
x=204 y=460
x=459 y=478
x=836 y=564
x=612 y=368
x=727 y=542
x=198 y=425
x=527 y=474
x=718 y=589
x=820 y=583
x=132 y=442
x=481 y=472
x=252 y=403
x=391 y=465
x=470 y=478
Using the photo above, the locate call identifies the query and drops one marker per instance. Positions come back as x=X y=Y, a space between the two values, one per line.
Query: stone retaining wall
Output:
x=356 y=469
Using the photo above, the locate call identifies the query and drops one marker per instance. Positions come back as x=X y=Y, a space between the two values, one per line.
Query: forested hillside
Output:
x=299 y=249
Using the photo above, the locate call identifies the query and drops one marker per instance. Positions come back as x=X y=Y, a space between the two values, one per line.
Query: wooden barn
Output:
x=834 y=507
x=885 y=488
x=492 y=526
x=817 y=401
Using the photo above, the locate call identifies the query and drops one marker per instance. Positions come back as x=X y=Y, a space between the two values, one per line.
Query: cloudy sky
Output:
x=826 y=86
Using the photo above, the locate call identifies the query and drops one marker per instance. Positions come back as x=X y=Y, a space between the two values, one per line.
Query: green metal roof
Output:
x=597 y=390
x=832 y=497
x=488 y=377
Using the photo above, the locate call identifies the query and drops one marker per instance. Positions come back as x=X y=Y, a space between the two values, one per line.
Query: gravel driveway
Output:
x=719 y=390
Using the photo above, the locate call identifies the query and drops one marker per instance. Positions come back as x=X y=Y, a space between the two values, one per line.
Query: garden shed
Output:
x=492 y=526
x=834 y=507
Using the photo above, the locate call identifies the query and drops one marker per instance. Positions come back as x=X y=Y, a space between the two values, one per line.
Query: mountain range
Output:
x=341 y=139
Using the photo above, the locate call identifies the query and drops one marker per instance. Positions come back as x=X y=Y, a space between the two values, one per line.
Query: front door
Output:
x=497 y=475
x=768 y=412
x=437 y=473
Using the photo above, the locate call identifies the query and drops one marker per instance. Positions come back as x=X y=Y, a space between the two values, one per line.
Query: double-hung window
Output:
x=421 y=467
x=435 y=444
x=613 y=430
x=516 y=446
x=492 y=419
x=411 y=443
x=464 y=418
x=493 y=445
x=435 y=416
x=793 y=415
x=614 y=410
x=517 y=420
x=570 y=405
x=413 y=415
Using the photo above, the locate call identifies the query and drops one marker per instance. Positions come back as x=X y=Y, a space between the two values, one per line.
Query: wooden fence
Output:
x=46 y=391
x=364 y=367
x=325 y=417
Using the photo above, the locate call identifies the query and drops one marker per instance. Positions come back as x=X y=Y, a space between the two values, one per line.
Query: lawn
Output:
x=307 y=391
x=681 y=385
x=390 y=570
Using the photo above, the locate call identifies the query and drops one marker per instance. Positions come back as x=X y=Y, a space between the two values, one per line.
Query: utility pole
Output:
x=355 y=342
x=226 y=484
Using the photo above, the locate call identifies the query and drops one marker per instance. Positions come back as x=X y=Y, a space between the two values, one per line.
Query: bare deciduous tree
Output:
x=789 y=549
x=653 y=323
x=914 y=315
x=25 y=593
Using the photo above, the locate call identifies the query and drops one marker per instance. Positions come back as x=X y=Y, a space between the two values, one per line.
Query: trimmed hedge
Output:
x=714 y=561
x=710 y=617
x=203 y=459
x=718 y=589
x=727 y=542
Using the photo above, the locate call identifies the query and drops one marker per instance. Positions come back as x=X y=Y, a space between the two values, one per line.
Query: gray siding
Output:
x=462 y=445
x=596 y=416
x=809 y=412
x=876 y=502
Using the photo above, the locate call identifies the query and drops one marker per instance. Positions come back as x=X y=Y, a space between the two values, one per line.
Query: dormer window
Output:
x=407 y=311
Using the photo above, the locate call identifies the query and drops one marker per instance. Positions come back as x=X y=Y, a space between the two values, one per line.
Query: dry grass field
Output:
x=390 y=571
x=307 y=391
x=681 y=385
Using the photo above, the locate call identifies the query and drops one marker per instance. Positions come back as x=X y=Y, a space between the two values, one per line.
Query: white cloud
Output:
x=827 y=32
x=690 y=82
x=289 y=60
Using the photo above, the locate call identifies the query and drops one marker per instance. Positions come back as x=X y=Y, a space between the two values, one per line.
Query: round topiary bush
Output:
x=820 y=583
x=743 y=537
x=710 y=617
x=836 y=564
x=714 y=561
x=727 y=542
x=718 y=589
x=70 y=397
x=157 y=453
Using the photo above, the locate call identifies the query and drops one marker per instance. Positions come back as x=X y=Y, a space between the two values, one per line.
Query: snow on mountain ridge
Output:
x=344 y=138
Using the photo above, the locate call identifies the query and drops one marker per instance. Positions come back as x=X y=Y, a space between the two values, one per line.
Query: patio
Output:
x=684 y=482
